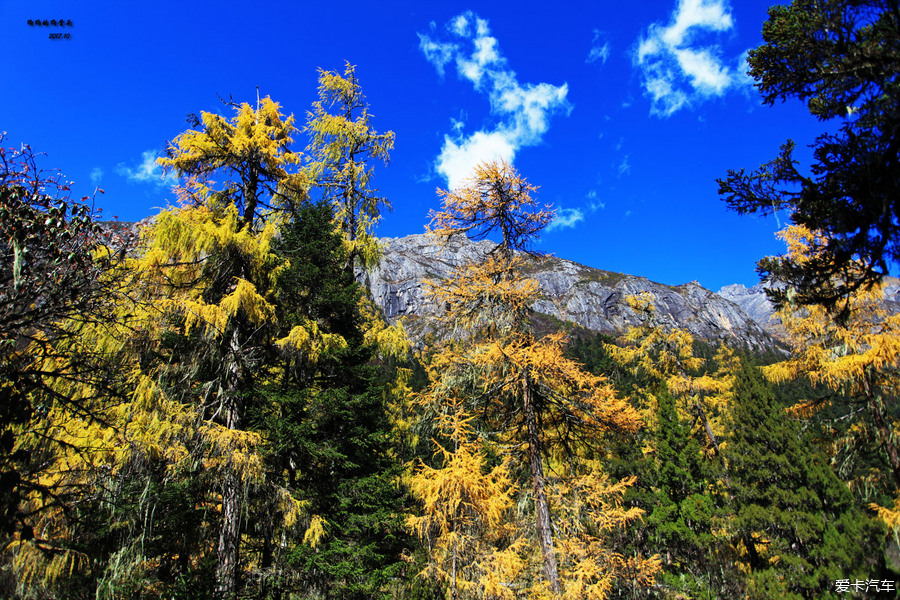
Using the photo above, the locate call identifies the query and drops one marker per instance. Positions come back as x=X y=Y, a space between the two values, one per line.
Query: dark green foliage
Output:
x=795 y=519
x=318 y=286
x=681 y=492
x=842 y=58
x=590 y=350
x=681 y=519
x=328 y=430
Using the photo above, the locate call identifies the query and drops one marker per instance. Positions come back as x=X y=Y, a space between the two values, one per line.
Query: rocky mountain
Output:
x=755 y=303
x=590 y=298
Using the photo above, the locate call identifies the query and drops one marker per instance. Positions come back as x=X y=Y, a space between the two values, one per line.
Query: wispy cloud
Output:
x=594 y=203
x=599 y=49
x=624 y=166
x=677 y=68
x=96 y=175
x=437 y=54
x=148 y=171
x=566 y=218
x=522 y=112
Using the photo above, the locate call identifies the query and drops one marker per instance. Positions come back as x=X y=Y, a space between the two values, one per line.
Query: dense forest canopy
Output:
x=215 y=407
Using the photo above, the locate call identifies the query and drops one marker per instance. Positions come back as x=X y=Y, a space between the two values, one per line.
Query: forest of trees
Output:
x=214 y=408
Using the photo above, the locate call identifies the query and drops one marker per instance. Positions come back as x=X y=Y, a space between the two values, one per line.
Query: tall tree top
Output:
x=342 y=142
x=250 y=155
x=496 y=200
x=842 y=59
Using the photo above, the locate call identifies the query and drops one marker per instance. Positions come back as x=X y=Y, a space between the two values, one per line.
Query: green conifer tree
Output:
x=797 y=522
x=327 y=424
x=683 y=516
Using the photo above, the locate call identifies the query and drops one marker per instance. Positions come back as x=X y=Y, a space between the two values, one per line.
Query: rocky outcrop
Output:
x=590 y=298
x=755 y=303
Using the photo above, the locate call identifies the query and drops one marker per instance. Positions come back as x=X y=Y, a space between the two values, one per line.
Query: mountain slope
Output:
x=755 y=303
x=590 y=298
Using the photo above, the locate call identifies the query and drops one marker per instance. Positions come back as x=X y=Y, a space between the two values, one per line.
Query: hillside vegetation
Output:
x=226 y=403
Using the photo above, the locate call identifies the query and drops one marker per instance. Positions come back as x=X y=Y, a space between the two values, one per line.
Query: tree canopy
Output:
x=841 y=58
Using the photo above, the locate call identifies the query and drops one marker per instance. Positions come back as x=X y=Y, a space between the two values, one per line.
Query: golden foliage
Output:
x=315 y=532
x=494 y=198
x=666 y=355
x=589 y=509
x=309 y=342
x=856 y=356
x=254 y=145
x=338 y=140
x=389 y=341
x=485 y=299
x=853 y=356
x=651 y=350
x=497 y=390
x=466 y=510
x=890 y=517
x=573 y=393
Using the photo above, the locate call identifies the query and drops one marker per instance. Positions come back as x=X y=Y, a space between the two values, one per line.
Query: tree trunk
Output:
x=541 y=508
x=232 y=489
x=701 y=414
x=229 y=535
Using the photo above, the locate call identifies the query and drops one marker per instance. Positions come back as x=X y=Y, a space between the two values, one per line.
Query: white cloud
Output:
x=594 y=204
x=704 y=14
x=148 y=171
x=566 y=218
x=522 y=112
x=436 y=53
x=460 y=25
x=599 y=49
x=457 y=162
x=706 y=74
x=677 y=69
x=96 y=175
x=624 y=166
x=666 y=99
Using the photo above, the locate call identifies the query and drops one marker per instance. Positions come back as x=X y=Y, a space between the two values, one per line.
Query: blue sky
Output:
x=623 y=113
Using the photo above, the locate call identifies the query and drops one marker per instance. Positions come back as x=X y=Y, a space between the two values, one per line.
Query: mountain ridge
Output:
x=588 y=297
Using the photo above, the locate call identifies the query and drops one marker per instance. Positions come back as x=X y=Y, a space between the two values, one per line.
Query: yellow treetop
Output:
x=496 y=198
x=343 y=139
x=249 y=156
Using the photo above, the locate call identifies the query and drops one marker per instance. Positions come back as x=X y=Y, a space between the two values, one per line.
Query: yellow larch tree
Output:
x=854 y=353
x=666 y=356
x=534 y=406
x=214 y=271
x=473 y=548
x=342 y=140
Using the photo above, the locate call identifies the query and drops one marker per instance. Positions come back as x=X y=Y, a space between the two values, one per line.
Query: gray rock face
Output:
x=591 y=298
x=754 y=302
